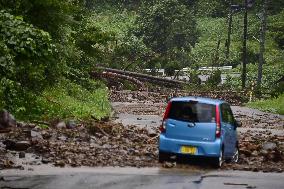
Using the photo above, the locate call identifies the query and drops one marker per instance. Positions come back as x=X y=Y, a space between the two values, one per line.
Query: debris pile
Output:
x=162 y=96
x=92 y=144
x=260 y=152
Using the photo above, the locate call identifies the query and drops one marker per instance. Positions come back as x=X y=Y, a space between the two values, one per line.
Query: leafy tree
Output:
x=212 y=8
x=168 y=28
x=27 y=59
x=48 y=15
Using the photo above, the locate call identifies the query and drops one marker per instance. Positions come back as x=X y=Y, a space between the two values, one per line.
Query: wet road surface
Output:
x=129 y=178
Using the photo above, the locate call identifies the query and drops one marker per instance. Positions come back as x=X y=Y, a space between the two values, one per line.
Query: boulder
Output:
x=71 y=124
x=61 y=125
x=22 y=145
x=22 y=155
x=59 y=163
x=17 y=146
x=269 y=146
x=7 y=119
x=36 y=136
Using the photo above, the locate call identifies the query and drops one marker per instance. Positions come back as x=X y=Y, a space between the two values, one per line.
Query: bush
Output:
x=68 y=100
x=273 y=105
x=271 y=73
x=26 y=64
x=214 y=79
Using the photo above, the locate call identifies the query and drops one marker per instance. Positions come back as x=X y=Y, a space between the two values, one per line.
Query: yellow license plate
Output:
x=188 y=150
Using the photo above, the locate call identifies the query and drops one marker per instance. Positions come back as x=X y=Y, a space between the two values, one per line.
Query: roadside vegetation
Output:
x=273 y=105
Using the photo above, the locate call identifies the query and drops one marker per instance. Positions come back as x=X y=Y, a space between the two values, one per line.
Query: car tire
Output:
x=163 y=156
x=235 y=157
x=218 y=162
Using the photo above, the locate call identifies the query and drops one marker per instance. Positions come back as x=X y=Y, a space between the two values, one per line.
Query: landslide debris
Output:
x=112 y=144
x=163 y=95
x=90 y=144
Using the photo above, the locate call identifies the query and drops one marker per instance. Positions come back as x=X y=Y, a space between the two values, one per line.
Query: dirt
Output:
x=130 y=144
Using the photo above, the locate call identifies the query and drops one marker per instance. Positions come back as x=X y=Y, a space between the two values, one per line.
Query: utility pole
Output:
x=244 y=58
x=263 y=18
x=228 y=42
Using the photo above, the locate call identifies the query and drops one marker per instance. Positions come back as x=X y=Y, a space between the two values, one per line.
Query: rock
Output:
x=61 y=125
x=22 y=145
x=269 y=146
x=45 y=161
x=71 y=124
x=255 y=169
x=46 y=135
x=7 y=120
x=36 y=136
x=263 y=152
x=251 y=147
x=2 y=146
x=277 y=156
x=245 y=152
x=152 y=133
x=169 y=164
x=63 y=138
x=17 y=146
x=22 y=155
x=9 y=144
x=59 y=163
x=21 y=124
x=8 y=163
x=254 y=153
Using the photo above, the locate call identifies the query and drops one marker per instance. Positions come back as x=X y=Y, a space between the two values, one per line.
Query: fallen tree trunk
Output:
x=148 y=78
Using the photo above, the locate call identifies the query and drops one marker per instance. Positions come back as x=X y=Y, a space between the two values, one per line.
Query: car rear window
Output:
x=192 y=111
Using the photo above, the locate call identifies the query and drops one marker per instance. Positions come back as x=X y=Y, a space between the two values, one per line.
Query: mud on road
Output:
x=134 y=141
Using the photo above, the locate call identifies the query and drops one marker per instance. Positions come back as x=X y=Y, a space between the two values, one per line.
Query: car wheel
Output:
x=163 y=156
x=219 y=160
x=235 y=157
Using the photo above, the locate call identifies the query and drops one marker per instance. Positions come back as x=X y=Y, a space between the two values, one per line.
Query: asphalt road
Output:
x=129 y=178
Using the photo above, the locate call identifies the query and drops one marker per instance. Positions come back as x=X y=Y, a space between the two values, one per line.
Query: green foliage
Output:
x=69 y=100
x=212 y=8
x=276 y=29
x=31 y=50
x=214 y=79
x=27 y=59
x=273 y=105
x=168 y=28
x=271 y=73
x=48 y=15
x=193 y=77
x=205 y=52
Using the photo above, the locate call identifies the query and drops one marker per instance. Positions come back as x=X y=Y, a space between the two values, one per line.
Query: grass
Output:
x=273 y=105
x=68 y=100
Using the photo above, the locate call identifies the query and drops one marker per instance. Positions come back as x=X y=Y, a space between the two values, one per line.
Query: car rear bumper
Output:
x=204 y=148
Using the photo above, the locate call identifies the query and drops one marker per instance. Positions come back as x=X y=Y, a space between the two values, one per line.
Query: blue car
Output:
x=196 y=126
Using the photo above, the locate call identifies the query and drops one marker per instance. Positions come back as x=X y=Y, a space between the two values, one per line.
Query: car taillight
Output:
x=218 y=122
x=163 y=127
x=166 y=115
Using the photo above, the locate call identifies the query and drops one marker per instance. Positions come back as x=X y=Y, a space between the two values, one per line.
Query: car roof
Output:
x=199 y=99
